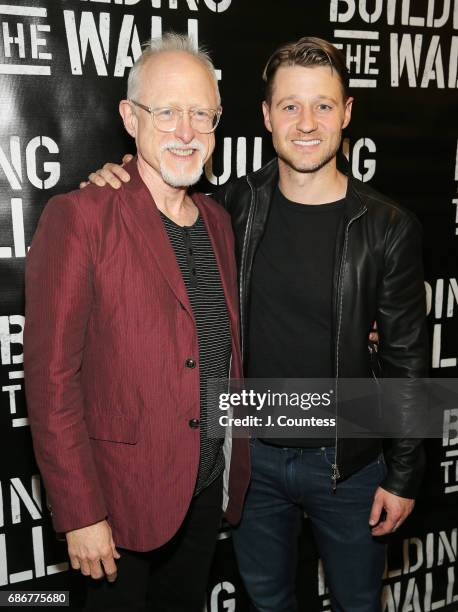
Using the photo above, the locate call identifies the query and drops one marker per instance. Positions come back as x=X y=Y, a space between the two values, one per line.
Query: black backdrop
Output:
x=63 y=65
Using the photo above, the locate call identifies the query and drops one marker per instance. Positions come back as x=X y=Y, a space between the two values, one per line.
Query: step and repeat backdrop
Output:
x=63 y=68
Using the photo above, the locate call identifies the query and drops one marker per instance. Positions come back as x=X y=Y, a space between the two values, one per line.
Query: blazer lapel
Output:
x=145 y=215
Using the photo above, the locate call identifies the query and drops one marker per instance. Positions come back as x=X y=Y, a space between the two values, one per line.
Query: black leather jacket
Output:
x=378 y=276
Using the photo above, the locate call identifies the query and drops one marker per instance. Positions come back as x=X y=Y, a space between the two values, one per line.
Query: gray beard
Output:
x=180 y=180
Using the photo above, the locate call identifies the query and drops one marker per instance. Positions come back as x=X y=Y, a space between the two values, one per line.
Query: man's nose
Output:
x=184 y=130
x=306 y=121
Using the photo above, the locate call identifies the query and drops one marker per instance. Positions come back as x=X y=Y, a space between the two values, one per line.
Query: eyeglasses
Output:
x=165 y=119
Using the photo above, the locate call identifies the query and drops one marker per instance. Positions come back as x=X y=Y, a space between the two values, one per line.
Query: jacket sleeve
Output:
x=59 y=297
x=403 y=352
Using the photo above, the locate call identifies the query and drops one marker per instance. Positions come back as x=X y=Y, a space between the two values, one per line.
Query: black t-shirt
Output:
x=290 y=324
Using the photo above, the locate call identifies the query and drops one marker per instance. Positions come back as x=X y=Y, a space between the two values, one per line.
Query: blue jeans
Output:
x=285 y=483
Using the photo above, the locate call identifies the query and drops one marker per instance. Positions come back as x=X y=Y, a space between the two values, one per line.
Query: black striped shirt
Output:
x=200 y=273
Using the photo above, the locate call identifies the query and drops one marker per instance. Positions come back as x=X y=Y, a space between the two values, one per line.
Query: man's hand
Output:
x=397 y=510
x=112 y=174
x=93 y=550
x=373 y=336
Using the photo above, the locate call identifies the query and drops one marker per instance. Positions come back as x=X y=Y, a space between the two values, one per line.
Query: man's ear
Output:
x=129 y=117
x=266 y=113
x=347 y=113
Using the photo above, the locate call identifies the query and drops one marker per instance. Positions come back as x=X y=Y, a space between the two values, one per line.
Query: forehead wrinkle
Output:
x=294 y=76
x=180 y=73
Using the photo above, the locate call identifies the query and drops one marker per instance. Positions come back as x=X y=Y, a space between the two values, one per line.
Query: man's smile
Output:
x=182 y=152
x=307 y=143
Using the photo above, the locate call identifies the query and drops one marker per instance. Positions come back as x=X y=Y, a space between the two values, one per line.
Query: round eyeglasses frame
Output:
x=191 y=112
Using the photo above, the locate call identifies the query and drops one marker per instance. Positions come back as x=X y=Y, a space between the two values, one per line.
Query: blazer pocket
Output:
x=112 y=428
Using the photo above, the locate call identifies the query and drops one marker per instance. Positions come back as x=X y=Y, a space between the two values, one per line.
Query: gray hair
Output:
x=170 y=41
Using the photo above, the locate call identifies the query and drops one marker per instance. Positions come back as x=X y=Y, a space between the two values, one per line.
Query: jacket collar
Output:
x=140 y=204
x=266 y=178
x=354 y=205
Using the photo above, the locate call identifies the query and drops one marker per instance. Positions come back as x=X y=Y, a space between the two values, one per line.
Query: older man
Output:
x=131 y=307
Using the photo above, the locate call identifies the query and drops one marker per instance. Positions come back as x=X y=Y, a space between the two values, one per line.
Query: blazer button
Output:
x=190 y=363
x=194 y=423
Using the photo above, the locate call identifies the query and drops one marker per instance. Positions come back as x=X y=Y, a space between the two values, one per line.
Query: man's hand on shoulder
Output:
x=373 y=335
x=395 y=508
x=92 y=550
x=111 y=174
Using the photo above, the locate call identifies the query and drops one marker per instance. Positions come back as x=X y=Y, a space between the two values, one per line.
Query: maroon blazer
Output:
x=109 y=329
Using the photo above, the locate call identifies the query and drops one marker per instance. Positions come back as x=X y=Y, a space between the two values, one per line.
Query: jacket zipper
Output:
x=243 y=266
x=335 y=471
